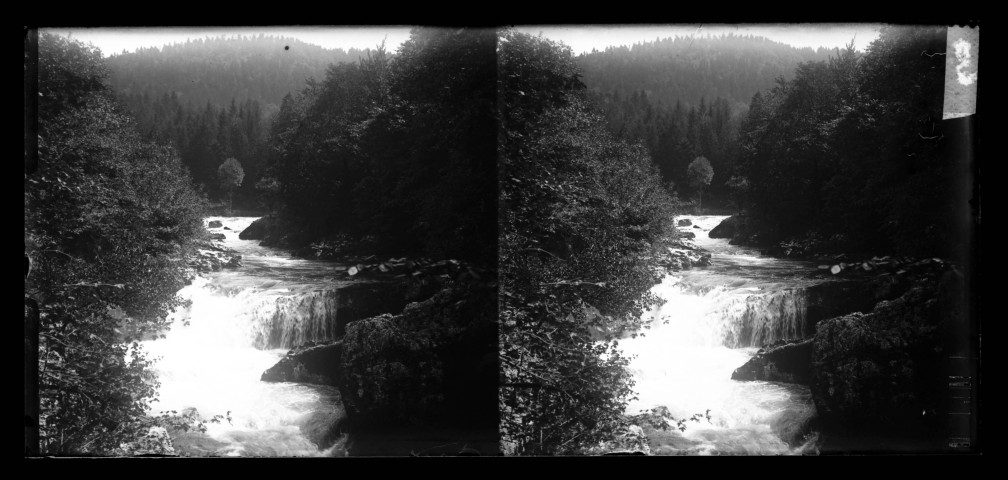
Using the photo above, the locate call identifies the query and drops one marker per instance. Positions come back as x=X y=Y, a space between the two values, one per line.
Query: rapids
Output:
x=215 y=352
x=713 y=320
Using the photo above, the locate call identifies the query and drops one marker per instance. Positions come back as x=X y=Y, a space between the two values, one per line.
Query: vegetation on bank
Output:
x=109 y=221
x=394 y=155
x=583 y=217
x=848 y=155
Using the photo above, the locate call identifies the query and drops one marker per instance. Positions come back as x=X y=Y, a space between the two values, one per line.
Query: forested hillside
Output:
x=219 y=70
x=214 y=99
x=685 y=99
x=686 y=69
x=205 y=136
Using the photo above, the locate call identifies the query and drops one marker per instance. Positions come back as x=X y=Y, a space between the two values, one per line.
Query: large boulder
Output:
x=318 y=364
x=256 y=230
x=435 y=364
x=787 y=361
x=883 y=371
x=728 y=228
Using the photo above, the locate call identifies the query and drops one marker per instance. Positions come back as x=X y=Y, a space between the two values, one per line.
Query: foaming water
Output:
x=713 y=320
x=209 y=359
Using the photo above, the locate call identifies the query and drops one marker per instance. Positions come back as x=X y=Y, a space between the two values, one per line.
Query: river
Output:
x=217 y=349
x=713 y=320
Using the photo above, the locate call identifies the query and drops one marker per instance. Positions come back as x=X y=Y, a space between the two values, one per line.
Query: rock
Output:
x=318 y=364
x=728 y=228
x=696 y=226
x=227 y=228
x=835 y=269
x=684 y=223
x=215 y=224
x=787 y=361
x=256 y=230
x=433 y=364
x=218 y=236
x=879 y=371
x=689 y=235
x=842 y=296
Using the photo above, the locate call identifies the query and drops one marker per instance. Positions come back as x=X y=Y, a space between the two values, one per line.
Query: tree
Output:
x=109 y=218
x=700 y=174
x=739 y=187
x=583 y=217
x=230 y=175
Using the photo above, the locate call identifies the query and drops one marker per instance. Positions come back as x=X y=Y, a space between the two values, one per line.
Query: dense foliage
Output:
x=848 y=155
x=259 y=68
x=108 y=220
x=675 y=135
x=396 y=155
x=206 y=136
x=582 y=218
x=686 y=97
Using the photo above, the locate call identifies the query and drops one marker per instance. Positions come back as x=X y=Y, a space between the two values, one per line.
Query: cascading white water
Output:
x=209 y=359
x=713 y=320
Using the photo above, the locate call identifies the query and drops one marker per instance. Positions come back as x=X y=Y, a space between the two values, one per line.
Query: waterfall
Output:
x=289 y=321
x=763 y=318
x=712 y=321
x=238 y=324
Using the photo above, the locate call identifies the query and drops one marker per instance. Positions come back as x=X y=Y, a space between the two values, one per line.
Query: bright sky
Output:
x=115 y=40
x=583 y=39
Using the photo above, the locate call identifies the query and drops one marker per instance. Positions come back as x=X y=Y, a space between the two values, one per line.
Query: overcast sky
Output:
x=583 y=39
x=580 y=38
x=115 y=40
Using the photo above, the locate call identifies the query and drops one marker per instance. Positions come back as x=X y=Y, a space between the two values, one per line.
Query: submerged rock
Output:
x=787 y=361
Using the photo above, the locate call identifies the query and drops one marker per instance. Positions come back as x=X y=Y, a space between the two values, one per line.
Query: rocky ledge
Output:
x=433 y=365
x=309 y=363
x=786 y=361
x=682 y=254
x=885 y=368
x=212 y=256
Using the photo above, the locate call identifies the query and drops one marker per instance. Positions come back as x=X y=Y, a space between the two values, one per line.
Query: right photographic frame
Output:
x=754 y=239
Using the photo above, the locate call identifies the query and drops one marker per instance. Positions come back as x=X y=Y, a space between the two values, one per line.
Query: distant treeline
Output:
x=677 y=135
x=218 y=70
x=687 y=69
x=686 y=97
x=205 y=136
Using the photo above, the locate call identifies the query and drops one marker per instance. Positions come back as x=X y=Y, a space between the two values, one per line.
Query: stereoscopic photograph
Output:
x=529 y=240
